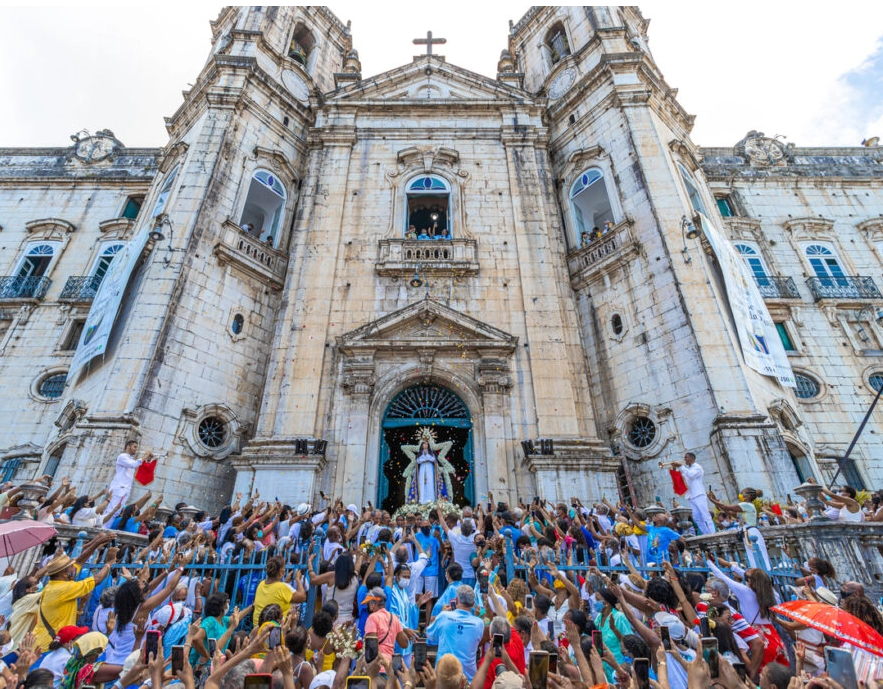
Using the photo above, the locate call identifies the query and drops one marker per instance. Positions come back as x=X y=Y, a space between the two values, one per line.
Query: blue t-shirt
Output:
x=458 y=632
x=131 y=525
x=431 y=546
x=248 y=586
x=660 y=538
x=170 y=532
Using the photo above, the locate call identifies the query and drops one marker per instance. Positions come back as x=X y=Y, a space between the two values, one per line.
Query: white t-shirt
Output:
x=693 y=476
x=463 y=547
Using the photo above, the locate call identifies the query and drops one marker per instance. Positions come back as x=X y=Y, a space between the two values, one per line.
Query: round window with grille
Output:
x=52 y=386
x=642 y=432
x=807 y=387
x=212 y=432
x=876 y=381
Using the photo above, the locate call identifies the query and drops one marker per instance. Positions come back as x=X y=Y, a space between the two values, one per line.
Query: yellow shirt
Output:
x=267 y=594
x=58 y=604
x=327 y=661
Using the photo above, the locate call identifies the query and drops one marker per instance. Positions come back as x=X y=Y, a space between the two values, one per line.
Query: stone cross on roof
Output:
x=429 y=41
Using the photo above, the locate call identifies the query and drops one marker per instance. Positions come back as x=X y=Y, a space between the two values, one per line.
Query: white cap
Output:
x=302 y=509
x=352 y=508
x=323 y=679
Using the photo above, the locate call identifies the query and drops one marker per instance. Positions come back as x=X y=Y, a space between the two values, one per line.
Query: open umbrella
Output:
x=16 y=536
x=834 y=622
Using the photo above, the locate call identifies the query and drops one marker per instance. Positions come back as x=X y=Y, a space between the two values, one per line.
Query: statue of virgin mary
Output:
x=428 y=475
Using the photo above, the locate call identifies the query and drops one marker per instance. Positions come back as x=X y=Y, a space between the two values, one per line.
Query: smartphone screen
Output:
x=275 y=638
x=550 y=629
x=212 y=647
x=482 y=582
x=598 y=642
x=397 y=664
x=528 y=602
x=666 y=638
x=498 y=645
x=642 y=672
x=258 y=681
x=177 y=659
x=372 y=648
x=151 y=644
x=840 y=666
x=553 y=663
x=709 y=654
x=358 y=682
x=538 y=669
x=419 y=653
x=704 y=628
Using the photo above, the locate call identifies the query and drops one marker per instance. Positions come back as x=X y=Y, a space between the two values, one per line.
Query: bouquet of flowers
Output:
x=421 y=509
x=345 y=642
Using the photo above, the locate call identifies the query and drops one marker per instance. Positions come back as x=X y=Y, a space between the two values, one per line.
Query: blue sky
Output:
x=814 y=77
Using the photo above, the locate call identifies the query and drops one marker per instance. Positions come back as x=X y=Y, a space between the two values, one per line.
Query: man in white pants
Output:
x=121 y=485
x=693 y=475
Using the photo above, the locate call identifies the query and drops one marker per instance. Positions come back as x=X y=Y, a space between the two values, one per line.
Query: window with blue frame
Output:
x=429 y=208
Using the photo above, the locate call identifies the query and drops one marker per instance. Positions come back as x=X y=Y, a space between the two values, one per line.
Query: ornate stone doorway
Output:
x=408 y=414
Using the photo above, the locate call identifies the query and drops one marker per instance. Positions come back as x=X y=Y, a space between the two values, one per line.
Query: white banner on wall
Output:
x=761 y=344
x=107 y=302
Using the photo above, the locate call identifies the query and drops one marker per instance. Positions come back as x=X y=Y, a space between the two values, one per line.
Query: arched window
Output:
x=752 y=257
x=826 y=265
x=160 y=204
x=103 y=263
x=302 y=45
x=590 y=205
x=556 y=42
x=36 y=261
x=692 y=191
x=264 y=207
x=429 y=208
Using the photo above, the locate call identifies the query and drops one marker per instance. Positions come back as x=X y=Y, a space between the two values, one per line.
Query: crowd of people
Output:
x=497 y=596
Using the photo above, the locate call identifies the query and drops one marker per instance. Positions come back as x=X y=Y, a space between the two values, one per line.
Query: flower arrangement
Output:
x=419 y=509
x=345 y=642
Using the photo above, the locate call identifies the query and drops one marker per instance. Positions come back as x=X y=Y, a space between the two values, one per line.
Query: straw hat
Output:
x=60 y=564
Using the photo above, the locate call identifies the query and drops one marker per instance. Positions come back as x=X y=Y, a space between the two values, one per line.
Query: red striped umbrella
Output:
x=834 y=622
x=16 y=536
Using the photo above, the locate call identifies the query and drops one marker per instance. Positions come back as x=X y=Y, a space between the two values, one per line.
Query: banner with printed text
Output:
x=761 y=344
x=107 y=302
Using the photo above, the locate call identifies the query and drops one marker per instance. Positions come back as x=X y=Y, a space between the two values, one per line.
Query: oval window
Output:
x=616 y=324
x=236 y=325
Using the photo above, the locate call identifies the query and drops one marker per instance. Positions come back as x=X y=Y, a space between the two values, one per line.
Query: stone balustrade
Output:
x=247 y=253
x=404 y=257
x=602 y=255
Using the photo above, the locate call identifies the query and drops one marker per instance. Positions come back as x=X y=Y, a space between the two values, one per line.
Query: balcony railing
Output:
x=601 y=254
x=17 y=287
x=252 y=256
x=844 y=287
x=80 y=288
x=776 y=287
x=404 y=257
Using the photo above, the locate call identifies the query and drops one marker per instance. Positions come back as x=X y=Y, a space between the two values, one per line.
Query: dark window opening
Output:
x=212 y=432
x=133 y=205
x=236 y=325
x=52 y=387
x=616 y=324
x=37 y=261
x=801 y=465
x=725 y=206
x=642 y=432
x=785 y=337
x=302 y=44
x=556 y=41
x=73 y=336
x=851 y=476
x=428 y=209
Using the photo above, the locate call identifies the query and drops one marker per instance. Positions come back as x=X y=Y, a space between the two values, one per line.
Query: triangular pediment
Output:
x=428 y=80
x=427 y=325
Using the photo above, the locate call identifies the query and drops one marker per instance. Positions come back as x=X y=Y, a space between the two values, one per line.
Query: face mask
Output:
x=404 y=582
x=425 y=530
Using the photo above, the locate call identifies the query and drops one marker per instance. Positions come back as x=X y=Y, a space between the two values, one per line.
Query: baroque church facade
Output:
x=321 y=265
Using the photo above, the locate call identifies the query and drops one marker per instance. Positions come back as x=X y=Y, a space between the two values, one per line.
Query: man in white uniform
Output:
x=693 y=475
x=121 y=486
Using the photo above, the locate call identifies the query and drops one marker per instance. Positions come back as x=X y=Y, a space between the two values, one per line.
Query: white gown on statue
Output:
x=426 y=477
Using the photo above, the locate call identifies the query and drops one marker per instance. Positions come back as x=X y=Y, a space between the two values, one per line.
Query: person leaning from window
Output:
x=423 y=234
x=584 y=239
x=58 y=602
x=411 y=233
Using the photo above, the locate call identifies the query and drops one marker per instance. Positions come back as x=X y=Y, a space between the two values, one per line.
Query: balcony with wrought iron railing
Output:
x=600 y=255
x=80 y=288
x=776 y=287
x=843 y=287
x=251 y=256
x=19 y=287
x=403 y=257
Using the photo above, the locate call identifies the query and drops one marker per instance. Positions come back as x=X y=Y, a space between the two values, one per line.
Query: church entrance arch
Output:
x=415 y=411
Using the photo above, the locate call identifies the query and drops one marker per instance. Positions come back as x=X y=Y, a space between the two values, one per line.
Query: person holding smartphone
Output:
x=384 y=624
x=506 y=649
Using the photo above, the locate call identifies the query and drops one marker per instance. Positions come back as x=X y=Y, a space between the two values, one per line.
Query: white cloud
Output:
x=775 y=67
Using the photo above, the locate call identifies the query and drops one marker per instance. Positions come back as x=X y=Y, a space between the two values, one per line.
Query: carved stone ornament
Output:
x=89 y=148
x=492 y=374
x=358 y=374
x=762 y=151
x=73 y=411
x=188 y=433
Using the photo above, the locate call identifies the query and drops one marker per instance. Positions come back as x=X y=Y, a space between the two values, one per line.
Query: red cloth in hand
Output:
x=677 y=482
x=145 y=473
